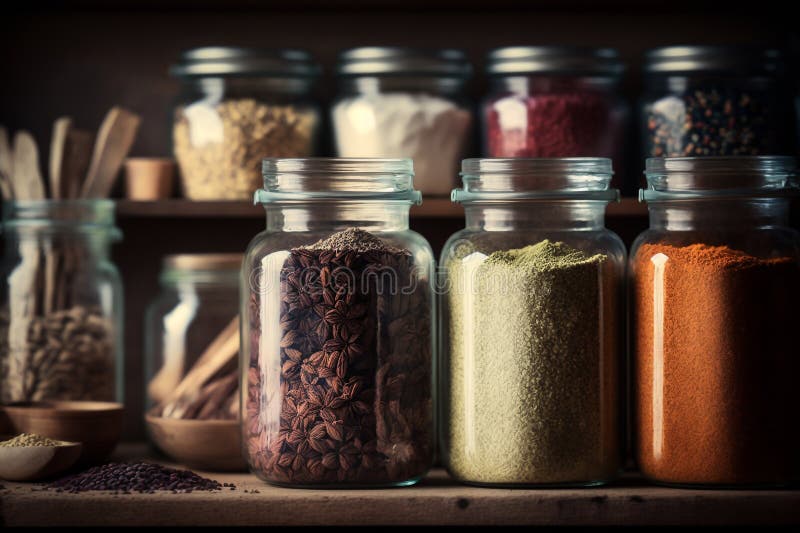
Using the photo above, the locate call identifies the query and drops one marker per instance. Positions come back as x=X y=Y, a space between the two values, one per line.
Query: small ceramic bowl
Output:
x=214 y=445
x=31 y=463
x=97 y=425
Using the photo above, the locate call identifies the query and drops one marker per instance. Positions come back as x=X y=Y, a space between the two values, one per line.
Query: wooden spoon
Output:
x=57 y=144
x=27 y=177
x=77 y=154
x=114 y=141
x=5 y=187
x=6 y=156
x=29 y=463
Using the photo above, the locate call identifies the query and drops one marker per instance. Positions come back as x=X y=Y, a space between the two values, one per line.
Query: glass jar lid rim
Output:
x=203 y=262
x=718 y=176
x=333 y=178
x=562 y=178
x=574 y=60
x=233 y=61
x=535 y=165
x=721 y=58
x=398 y=60
x=98 y=212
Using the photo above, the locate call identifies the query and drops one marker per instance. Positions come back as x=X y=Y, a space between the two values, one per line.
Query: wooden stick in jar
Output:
x=222 y=349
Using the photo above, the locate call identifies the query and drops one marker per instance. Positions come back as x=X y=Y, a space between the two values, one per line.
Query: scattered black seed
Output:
x=144 y=478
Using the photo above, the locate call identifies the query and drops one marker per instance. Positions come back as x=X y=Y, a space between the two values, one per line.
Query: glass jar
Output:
x=237 y=106
x=61 y=329
x=197 y=309
x=531 y=326
x=405 y=102
x=715 y=101
x=337 y=337
x=715 y=282
x=554 y=101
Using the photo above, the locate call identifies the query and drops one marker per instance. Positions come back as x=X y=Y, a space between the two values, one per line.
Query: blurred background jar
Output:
x=237 y=106
x=555 y=101
x=716 y=101
x=61 y=303
x=405 y=102
x=199 y=301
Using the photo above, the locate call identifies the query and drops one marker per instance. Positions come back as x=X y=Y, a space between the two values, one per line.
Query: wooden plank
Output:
x=435 y=207
x=435 y=501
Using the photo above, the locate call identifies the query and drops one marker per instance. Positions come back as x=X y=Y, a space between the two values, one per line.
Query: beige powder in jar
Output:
x=219 y=147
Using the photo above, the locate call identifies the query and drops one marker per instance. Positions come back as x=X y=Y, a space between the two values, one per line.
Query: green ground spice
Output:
x=27 y=440
x=532 y=367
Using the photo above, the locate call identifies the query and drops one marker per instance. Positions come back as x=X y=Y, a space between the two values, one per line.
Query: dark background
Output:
x=80 y=58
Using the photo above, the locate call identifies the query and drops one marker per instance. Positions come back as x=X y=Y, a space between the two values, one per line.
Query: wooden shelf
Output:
x=431 y=208
x=437 y=500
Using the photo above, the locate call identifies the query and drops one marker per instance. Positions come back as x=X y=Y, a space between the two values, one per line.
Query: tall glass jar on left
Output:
x=337 y=336
x=61 y=303
x=238 y=105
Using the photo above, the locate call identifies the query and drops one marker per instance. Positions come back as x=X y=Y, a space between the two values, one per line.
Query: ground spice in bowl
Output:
x=532 y=378
x=716 y=366
x=29 y=439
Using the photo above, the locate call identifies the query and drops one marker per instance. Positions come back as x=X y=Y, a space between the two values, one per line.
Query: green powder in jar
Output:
x=25 y=440
x=532 y=367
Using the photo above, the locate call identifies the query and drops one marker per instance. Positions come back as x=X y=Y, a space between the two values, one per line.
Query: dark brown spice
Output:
x=355 y=378
x=135 y=477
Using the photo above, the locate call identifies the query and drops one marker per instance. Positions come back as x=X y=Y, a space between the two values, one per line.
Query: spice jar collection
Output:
x=239 y=105
x=336 y=352
x=336 y=373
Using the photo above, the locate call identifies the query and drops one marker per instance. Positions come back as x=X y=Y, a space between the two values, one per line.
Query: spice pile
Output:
x=551 y=125
x=126 y=478
x=532 y=377
x=25 y=440
x=433 y=131
x=219 y=148
x=353 y=402
x=716 y=365
x=64 y=355
x=709 y=122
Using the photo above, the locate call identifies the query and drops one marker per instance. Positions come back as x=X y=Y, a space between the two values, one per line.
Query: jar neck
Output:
x=562 y=215
x=550 y=83
x=92 y=244
x=336 y=216
x=684 y=81
x=370 y=85
x=217 y=88
x=687 y=215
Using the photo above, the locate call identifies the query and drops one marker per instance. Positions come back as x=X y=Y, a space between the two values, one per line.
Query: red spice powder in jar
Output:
x=569 y=124
x=716 y=366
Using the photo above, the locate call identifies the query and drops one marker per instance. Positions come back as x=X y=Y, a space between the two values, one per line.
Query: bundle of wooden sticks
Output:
x=210 y=390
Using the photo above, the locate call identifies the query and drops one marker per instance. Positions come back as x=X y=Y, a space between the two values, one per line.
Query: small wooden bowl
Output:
x=214 y=445
x=97 y=425
x=29 y=463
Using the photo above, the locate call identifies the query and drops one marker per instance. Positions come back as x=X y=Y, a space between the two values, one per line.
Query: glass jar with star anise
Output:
x=337 y=336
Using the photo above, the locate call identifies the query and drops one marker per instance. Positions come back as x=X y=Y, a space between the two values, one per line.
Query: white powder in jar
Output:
x=432 y=131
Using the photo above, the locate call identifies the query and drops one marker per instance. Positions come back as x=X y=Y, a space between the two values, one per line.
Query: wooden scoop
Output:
x=27 y=178
x=6 y=165
x=58 y=142
x=114 y=141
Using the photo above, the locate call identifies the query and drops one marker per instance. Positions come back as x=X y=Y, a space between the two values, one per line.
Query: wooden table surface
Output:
x=436 y=500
